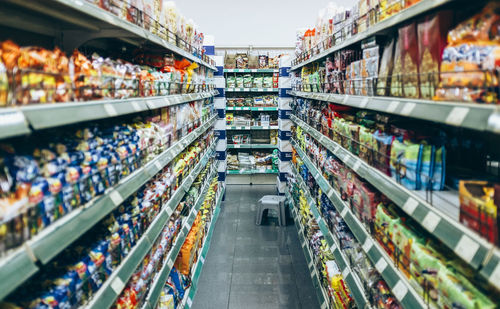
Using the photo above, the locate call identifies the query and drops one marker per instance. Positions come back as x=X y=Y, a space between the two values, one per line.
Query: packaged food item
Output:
x=431 y=43
x=241 y=61
x=396 y=82
x=410 y=60
x=247 y=81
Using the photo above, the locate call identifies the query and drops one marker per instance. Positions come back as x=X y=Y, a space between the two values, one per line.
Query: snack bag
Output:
x=385 y=69
x=405 y=163
x=410 y=60
x=431 y=43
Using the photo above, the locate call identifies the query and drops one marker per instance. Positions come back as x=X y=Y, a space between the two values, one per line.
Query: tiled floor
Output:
x=250 y=266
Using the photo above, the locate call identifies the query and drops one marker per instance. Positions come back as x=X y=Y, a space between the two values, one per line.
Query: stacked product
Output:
x=36 y=75
x=245 y=61
x=257 y=101
x=161 y=18
x=439 y=275
x=77 y=274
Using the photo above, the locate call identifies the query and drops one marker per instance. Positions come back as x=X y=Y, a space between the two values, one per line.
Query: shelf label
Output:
x=253 y=70
x=110 y=110
x=344 y=211
x=158 y=165
x=246 y=108
x=363 y=102
x=310 y=264
x=466 y=248
x=495 y=276
x=189 y=302
x=368 y=244
x=237 y=146
x=330 y=194
x=117 y=285
x=457 y=116
x=346 y=98
x=260 y=109
x=345 y=273
x=410 y=205
x=170 y=263
x=116 y=197
x=392 y=106
x=333 y=247
x=400 y=290
x=407 y=109
x=136 y=106
x=356 y=166
x=431 y=220
x=202 y=260
x=381 y=265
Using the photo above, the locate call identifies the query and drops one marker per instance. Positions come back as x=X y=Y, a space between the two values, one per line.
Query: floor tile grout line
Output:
x=234 y=254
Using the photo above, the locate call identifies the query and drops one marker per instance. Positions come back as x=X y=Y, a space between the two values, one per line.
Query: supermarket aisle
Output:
x=251 y=266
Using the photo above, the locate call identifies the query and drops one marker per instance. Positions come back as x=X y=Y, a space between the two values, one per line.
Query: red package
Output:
x=431 y=43
x=409 y=60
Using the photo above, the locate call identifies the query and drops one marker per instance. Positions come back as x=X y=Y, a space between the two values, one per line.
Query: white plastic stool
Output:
x=275 y=202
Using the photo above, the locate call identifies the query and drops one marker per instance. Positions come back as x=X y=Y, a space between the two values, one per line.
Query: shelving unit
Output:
x=21 y=263
x=377 y=29
x=252 y=89
x=467 y=244
x=320 y=291
x=189 y=294
x=113 y=287
x=396 y=280
x=251 y=128
x=23 y=120
x=480 y=117
x=251 y=70
x=252 y=146
x=252 y=172
x=81 y=21
x=253 y=109
x=162 y=276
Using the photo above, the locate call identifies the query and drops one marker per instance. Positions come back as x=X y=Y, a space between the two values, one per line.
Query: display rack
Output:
x=480 y=117
x=82 y=20
x=251 y=70
x=26 y=119
x=397 y=281
x=481 y=255
x=253 y=109
x=252 y=172
x=252 y=89
x=162 y=276
x=190 y=293
x=349 y=276
x=320 y=291
x=377 y=29
x=21 y=263
x=252 y=146
x=112 y=288
x=252 y=128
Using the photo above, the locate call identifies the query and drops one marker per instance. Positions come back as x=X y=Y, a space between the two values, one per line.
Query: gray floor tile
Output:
x=250 y=266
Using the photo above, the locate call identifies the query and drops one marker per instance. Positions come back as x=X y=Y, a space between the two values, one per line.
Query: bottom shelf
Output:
x=187 y=301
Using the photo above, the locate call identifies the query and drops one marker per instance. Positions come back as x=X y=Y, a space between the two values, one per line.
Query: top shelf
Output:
x=80 y=20
x=251 y=70
x=422 y=7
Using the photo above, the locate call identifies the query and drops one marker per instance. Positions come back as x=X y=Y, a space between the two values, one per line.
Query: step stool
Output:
x=275 y=202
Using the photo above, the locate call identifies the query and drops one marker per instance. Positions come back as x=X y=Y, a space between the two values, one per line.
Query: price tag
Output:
x=253 y=70
x=345 y=273
x=457 y=116
x=392 y=106
x=367 y=245
x=158 y=165
x=344 y=211
x=333 y=247
x=346 y=98
x=410 y=205
x=310 y=265
x=407 y=109
x=363 y=102
x=116 y=197
x=381 y=265
x=260 y=109
x=431 y=220
x=330 y=194
x=400 y=290
x=466 y=248
x=136 y=106
x=357 y=165
x=189 y=302
x=495 y=276
x=202 y=259
x=237 y=146
x=110 y=110
x=117 y=285
x=170 y=263
x=246 y=108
